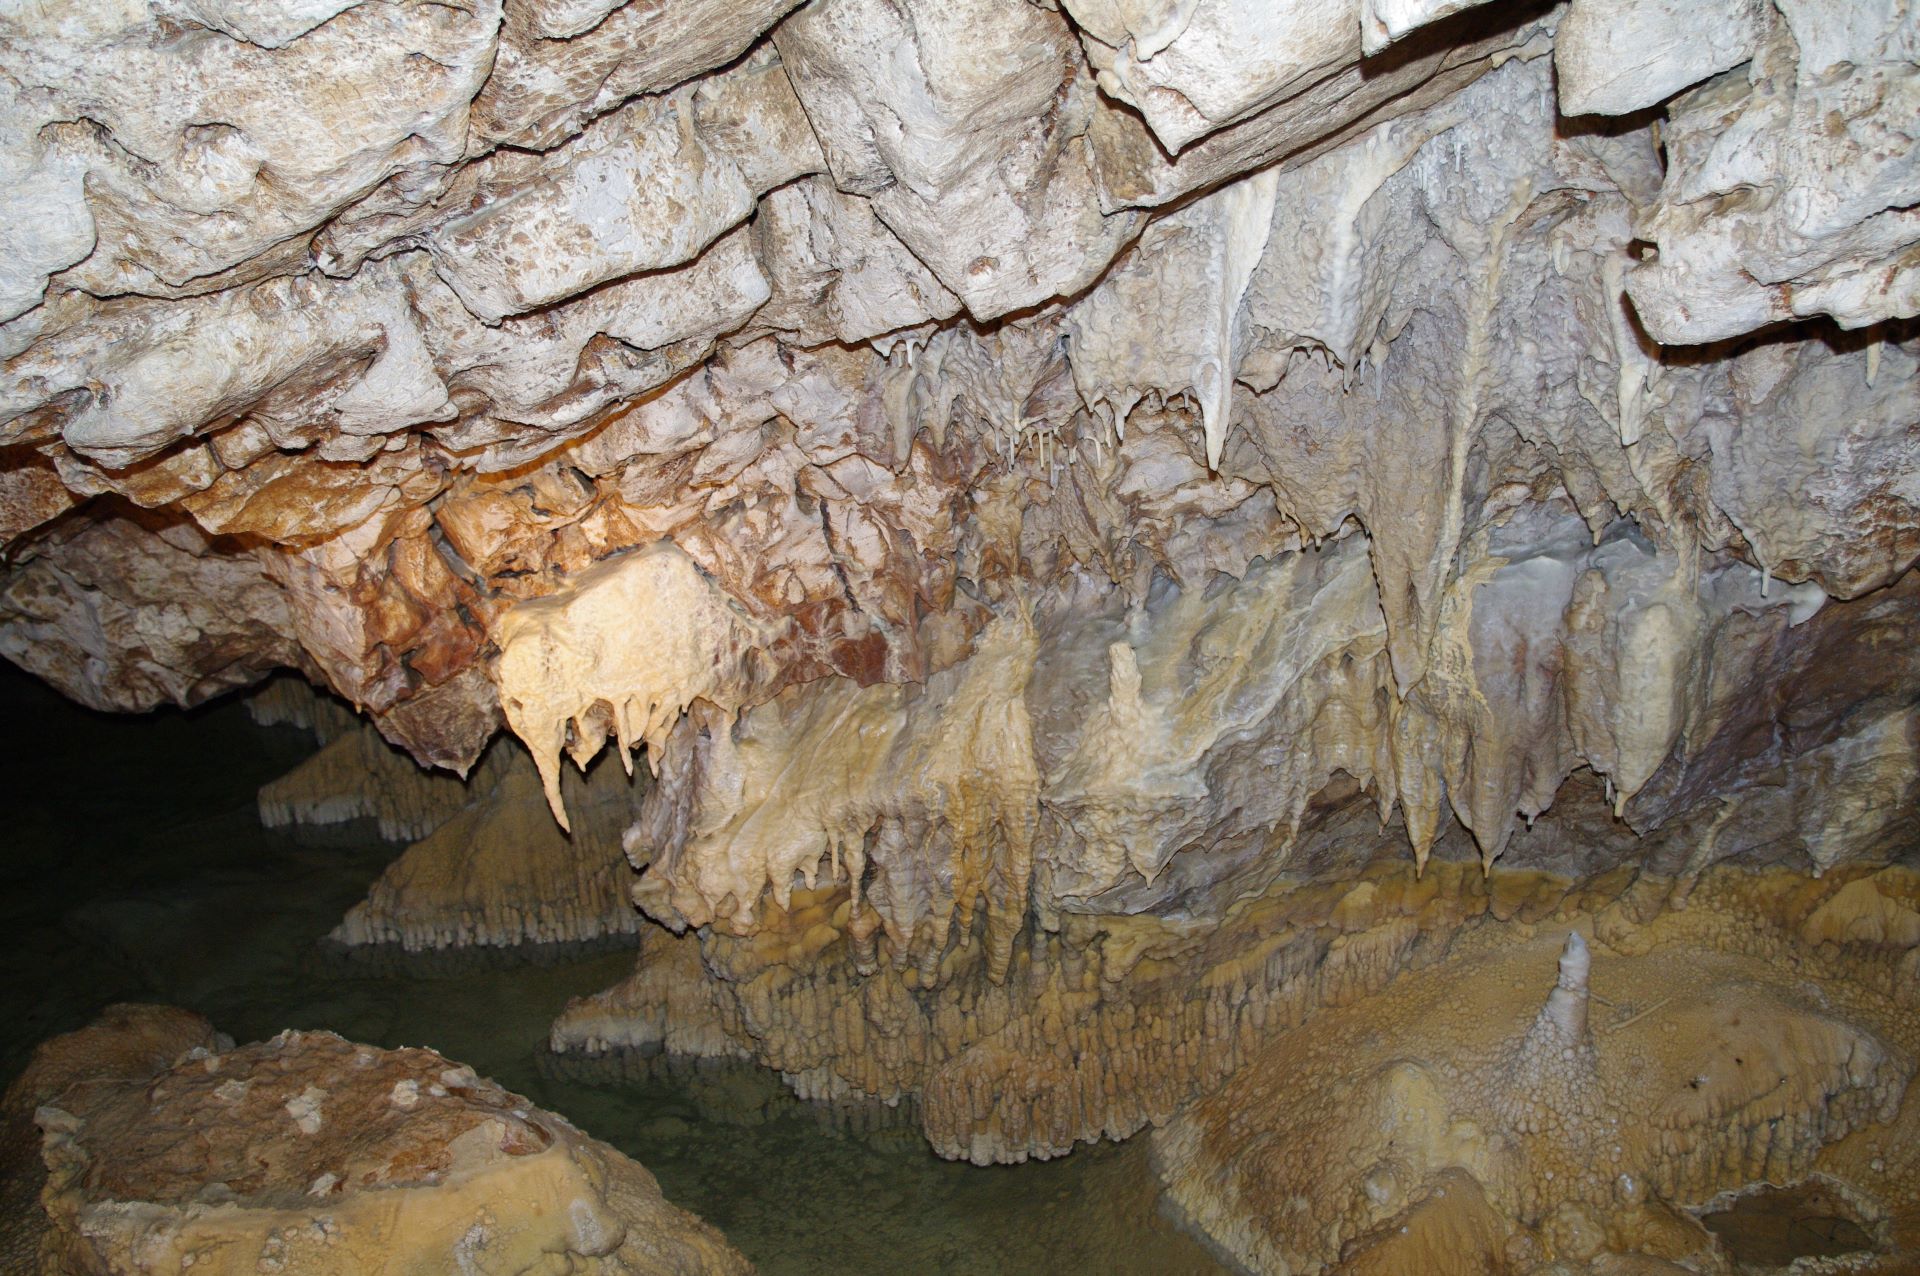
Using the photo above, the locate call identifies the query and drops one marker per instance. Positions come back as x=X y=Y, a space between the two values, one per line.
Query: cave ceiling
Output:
x=1014 y=458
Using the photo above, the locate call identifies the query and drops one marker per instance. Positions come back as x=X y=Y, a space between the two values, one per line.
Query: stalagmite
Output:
x=1566 y=1007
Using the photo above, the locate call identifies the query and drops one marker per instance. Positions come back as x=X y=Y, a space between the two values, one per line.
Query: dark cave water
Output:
x=134 y=869
x=1769 y=1229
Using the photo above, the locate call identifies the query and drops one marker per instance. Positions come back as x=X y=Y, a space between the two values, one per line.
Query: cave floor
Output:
x=135 y=869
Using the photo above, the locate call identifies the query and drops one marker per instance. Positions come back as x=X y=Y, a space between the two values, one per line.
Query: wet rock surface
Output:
x=308 y=1153
x=1536 y=1101
x=128 y=1043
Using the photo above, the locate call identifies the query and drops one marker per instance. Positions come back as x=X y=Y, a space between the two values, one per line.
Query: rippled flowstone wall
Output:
x=1030 y=485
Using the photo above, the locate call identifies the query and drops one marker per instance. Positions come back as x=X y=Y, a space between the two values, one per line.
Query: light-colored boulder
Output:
x=645 y=188
x=209 y=150
x=316 y=1154
x=1192 y=68
x=1384 y=21
x=967 y=149
x=1786 y=194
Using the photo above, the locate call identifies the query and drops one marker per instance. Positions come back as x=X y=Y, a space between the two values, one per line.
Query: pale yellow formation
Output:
x=1882 y=910
x=1333 y=1055
x=499 y=872
x=309 y=1155
x=487 y=865
x=624 y=649
x=292 y=702
x=941 y=777
x=927 y=800
x=127 y=1043
x=1296 y=649
x=358 y=775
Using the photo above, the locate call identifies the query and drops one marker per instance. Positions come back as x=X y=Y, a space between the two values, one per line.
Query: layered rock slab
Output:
x=308 y=1153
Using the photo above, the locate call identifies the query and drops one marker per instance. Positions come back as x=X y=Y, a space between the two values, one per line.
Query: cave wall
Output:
x=1112 y=526
x=1529 y=379
x=1006 y=459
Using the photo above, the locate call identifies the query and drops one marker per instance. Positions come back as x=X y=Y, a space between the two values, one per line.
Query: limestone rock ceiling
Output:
x=1003 y=457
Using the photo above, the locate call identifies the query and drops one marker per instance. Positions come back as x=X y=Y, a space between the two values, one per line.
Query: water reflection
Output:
x=135 y=869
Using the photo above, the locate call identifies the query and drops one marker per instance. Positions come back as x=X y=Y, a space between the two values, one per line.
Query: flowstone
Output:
x=485 y=867
x=1480 y=1123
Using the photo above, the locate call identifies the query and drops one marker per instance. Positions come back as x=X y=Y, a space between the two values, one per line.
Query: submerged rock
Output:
x=310 y=1154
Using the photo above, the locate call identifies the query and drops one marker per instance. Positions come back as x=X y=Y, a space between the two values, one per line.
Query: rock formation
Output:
x=486 y=866
x=308 y=1153
x=1704 y=1054
x=357 y=775
x=499 y=873
x=1061 y=495
x=125 y=1044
